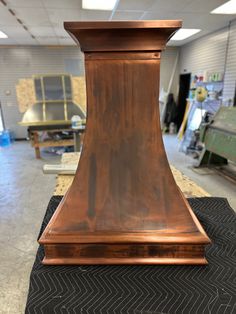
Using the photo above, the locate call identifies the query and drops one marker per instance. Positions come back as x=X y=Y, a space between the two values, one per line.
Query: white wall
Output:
x=23 y=62
x=230 y=71
x=168 y=60
x=213 y=52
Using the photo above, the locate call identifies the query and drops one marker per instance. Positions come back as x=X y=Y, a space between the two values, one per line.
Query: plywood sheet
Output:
x=79 y=91
x=25 y=94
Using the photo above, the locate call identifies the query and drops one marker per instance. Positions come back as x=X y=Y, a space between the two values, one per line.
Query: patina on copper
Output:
x=123 y=206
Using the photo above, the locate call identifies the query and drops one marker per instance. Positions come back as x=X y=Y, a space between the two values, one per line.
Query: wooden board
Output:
x=79 y=91
x=25 y=94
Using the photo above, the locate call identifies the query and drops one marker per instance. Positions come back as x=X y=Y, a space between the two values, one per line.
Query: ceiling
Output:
x=40 y=22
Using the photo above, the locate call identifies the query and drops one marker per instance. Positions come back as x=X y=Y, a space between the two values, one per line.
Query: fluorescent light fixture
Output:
x=184 y=33
x=3 y=35
x=106 y=5
x=226 y=8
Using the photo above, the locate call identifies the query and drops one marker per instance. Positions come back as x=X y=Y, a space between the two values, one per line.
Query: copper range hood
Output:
x=123 y=206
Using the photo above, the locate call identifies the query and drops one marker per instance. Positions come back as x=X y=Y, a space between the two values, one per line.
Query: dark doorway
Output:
x=184 y=85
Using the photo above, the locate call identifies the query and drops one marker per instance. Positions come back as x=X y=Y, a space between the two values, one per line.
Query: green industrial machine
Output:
x=219 y=138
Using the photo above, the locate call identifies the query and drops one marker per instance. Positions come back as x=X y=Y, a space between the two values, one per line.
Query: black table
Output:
x=144 y=289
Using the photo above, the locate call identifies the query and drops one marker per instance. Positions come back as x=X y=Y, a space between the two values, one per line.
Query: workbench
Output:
x=187 y=186
x=36 y=143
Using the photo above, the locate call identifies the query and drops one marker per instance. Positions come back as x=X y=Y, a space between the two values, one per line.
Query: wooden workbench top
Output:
x=187 y=186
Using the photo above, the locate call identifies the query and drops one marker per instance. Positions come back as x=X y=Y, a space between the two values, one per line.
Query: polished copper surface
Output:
x=124 y=206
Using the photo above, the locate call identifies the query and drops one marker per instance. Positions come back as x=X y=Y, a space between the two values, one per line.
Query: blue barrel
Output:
x=5 y=139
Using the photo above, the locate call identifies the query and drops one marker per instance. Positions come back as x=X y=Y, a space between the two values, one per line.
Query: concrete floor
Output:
x=24 y=195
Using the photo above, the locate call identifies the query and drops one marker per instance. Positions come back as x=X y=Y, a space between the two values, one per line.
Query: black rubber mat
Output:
x=145 y=289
